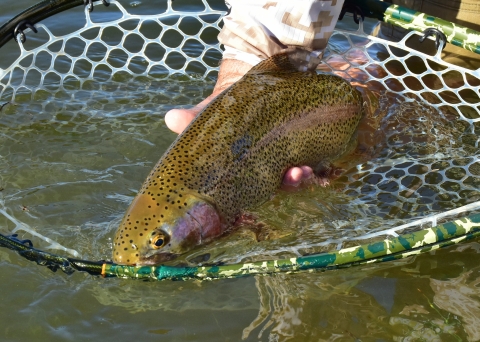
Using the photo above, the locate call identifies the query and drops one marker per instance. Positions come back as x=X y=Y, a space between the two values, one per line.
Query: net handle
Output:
x=35 y=14
x=412 y=20
x=389 y=249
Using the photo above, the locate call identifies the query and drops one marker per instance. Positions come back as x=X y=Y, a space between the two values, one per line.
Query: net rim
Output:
x=373 y=40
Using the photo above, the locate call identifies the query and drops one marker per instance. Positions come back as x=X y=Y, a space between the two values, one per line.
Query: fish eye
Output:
x=159 y=241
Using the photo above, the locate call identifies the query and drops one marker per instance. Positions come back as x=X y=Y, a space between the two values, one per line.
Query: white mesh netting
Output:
x=425 y=151
x=157 y=45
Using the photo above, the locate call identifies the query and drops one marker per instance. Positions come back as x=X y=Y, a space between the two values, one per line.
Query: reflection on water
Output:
x=383 y=302
x=460 y=296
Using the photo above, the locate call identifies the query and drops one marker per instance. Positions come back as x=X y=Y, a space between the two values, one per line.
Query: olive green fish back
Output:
x=275 y=117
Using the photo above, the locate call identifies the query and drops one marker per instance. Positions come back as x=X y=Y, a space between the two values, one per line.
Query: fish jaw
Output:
x=150 y=236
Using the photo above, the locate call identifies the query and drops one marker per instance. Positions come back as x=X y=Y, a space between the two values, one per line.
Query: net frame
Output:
x=358 y=41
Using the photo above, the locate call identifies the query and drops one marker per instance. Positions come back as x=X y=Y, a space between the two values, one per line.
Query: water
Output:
x=71 y=165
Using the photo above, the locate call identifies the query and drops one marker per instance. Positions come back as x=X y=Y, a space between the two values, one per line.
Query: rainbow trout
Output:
x=233 y=156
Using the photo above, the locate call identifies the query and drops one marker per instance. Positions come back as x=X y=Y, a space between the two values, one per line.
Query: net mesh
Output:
x=429 y=156
x=424 y=152
x=160 y=45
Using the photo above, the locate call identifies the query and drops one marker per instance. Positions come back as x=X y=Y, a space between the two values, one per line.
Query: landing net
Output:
x=424 y=171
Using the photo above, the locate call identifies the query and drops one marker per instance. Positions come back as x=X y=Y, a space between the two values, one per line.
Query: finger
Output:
x=307 y=172
x=178 y=119
x=293 y=176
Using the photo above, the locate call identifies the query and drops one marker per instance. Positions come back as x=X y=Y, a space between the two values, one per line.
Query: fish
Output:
x=233 y=156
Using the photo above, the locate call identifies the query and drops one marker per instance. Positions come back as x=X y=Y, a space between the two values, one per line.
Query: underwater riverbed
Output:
x=72 y=160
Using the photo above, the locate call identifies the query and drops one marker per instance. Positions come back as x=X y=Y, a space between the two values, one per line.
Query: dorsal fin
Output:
x=279 y=62
x=293 y=59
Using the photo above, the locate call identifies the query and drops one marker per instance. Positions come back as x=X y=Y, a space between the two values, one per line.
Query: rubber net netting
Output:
x=421 y=153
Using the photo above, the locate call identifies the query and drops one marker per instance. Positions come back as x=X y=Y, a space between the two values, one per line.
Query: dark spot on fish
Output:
x=200 y=258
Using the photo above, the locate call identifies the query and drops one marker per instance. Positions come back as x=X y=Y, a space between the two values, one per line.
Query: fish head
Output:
x=150 y=234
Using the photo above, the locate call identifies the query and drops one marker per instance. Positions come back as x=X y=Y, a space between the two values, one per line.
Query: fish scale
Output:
x=234 y=154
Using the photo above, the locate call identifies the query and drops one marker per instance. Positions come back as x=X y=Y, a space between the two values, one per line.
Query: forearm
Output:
x=231 y=70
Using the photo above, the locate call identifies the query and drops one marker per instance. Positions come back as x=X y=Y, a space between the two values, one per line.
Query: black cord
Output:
x=357 y=12
x=21 y=26
x=440 y=37
x=89 y=3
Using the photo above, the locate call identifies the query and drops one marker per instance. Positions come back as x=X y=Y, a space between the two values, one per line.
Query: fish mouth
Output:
x=156 y=259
